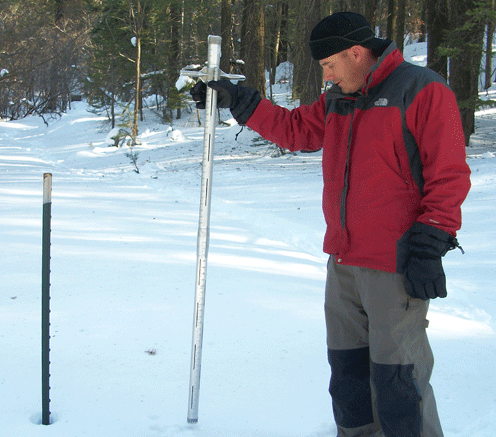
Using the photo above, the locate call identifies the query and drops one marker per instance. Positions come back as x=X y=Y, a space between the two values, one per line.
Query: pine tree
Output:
x=110 y=66
x=465 y=41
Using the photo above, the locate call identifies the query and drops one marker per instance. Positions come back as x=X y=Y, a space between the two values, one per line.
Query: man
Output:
x=395 y=177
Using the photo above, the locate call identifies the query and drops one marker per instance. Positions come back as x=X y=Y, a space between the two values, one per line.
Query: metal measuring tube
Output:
x=208 y=73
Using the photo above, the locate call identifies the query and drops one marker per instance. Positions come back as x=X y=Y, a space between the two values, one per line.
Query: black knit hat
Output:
x=339 y=32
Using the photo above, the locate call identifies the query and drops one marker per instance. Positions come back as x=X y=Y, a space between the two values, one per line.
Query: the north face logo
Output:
x=381 y=102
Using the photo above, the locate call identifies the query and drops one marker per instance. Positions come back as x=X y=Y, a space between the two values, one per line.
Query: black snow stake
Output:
x=45 y=299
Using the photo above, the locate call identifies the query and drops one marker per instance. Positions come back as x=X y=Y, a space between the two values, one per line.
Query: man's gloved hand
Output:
x=242 y=101
x=424 y=276
x=199 y=94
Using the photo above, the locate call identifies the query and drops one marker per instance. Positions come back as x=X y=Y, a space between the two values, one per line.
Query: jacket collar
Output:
x=386 y=63
x=384 y=66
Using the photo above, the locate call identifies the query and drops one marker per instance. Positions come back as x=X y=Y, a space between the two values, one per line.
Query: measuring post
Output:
x=45 y=299
x=210 y=72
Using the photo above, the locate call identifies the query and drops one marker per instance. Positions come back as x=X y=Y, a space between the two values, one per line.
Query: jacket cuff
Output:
x=429 y=241
x=247 y=101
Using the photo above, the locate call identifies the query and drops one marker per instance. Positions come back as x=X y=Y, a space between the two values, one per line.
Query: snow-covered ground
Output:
x=122 y=283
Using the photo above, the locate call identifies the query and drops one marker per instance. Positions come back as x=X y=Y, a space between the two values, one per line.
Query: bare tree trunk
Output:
x=254 y=45
x=400 y=24
x=340 y=6
x=174 y=57
x=137 y=15
x=423 y=20
x=274 y=43
x=137 y=18
x=307 y=83
x=226 y=34
x=491 y=25
x=390 y=19
x=275 y=55
x=370 y=11
x=467 y=41
x=59 y=10
x=137 y=88
x=437 y=23
x=357 y=6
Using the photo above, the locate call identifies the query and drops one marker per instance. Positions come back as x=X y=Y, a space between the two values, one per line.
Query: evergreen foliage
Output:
x=121 y=54
x=463 y=46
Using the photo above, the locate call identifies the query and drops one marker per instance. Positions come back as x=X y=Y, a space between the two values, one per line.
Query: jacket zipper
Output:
x=344 y=193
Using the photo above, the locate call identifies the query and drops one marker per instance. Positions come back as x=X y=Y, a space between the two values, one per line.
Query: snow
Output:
x=123 y=267
x=182 y=82
x=487 y=155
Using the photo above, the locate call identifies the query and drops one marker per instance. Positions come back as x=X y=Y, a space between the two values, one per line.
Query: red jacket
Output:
x=393 y=155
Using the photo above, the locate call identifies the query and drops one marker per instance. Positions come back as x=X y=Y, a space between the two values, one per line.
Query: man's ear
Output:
x=357 y=52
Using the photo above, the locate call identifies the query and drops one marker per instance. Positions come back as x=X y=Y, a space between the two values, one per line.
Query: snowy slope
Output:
x=122 y=283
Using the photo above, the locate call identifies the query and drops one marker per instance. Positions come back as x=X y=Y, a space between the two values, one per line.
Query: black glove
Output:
x=424 y=275
x=242 y=101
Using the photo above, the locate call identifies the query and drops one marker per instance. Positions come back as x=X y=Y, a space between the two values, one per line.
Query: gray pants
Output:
x=380 y=358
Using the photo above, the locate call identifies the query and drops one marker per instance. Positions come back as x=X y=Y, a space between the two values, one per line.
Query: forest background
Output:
x=114 y=53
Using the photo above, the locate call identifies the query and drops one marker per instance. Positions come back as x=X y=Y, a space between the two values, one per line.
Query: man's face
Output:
x=346 y=70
